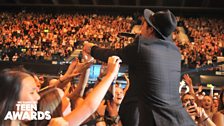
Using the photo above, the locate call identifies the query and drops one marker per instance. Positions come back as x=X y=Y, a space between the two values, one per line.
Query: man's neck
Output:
x=149 y=36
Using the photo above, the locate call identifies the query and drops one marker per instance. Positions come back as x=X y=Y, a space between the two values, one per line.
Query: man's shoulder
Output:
x=155 y=42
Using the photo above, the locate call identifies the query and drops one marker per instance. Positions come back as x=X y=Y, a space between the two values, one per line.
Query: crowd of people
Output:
x=68 y=105
x=47 y=37
x=204 y=108
x=205 y=41
x=66 y=102
x=154 y=70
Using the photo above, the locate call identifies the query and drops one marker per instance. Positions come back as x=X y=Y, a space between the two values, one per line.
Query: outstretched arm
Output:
x=74 y=69
x=127 y=54
x=92 y=101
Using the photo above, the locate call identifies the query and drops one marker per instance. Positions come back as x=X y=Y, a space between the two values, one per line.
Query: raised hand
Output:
x=86 y=57
x=103 y=70
x=81 y=67
x=192 y=109
x=71 y=67
x=187 y=79
x=113 y=65
x=87 y=47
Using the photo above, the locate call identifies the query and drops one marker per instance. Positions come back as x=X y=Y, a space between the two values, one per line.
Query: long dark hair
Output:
x=50 y=101
x=10 y=86
x=221 y=102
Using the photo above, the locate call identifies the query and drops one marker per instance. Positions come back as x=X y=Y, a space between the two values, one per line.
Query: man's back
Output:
x=154 y=72
x=158 y=74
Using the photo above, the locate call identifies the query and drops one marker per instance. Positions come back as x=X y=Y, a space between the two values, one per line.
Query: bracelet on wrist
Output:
x=205 y=119
x=114 y=119
x=99 y=118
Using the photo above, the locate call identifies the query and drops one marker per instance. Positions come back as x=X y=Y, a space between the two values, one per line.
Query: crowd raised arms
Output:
x=200 y=107
x=40 y=37
x=26 y=85
x=204 y=108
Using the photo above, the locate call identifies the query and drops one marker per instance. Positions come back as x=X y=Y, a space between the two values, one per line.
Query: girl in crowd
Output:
x=19 y=86
x=111 y=103
x=55 y=100
x=51 y=100
x=198 y=114
x=207 y=105
x=15 y=86
x=218 y=117
x=110 y=117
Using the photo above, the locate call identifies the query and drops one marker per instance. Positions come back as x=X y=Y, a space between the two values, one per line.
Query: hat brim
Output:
x=147 y=15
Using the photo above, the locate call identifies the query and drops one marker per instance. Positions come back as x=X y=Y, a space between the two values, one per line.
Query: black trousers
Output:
x=129 y=114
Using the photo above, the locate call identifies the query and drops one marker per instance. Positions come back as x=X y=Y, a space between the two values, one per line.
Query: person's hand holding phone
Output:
x=191 y=108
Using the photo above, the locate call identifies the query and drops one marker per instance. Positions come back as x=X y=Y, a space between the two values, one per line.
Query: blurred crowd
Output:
x=205 y=41
x=48 y=37
x=53 y=37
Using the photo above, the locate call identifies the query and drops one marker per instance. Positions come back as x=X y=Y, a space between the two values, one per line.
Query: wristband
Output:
x=114 y=119
x=99 y=118
x=205 y=119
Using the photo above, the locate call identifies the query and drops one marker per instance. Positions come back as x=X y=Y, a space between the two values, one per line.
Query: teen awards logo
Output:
x=27 y=111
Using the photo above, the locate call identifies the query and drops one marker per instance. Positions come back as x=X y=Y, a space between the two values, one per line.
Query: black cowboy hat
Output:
x=164 y=22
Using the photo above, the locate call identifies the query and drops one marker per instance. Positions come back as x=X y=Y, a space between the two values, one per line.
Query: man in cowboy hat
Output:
x=154 y=70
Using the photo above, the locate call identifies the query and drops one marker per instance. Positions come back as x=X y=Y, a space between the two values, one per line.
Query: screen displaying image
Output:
x=94 y=72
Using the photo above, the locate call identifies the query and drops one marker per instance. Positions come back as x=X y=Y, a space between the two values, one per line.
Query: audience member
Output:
x=218 y=117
